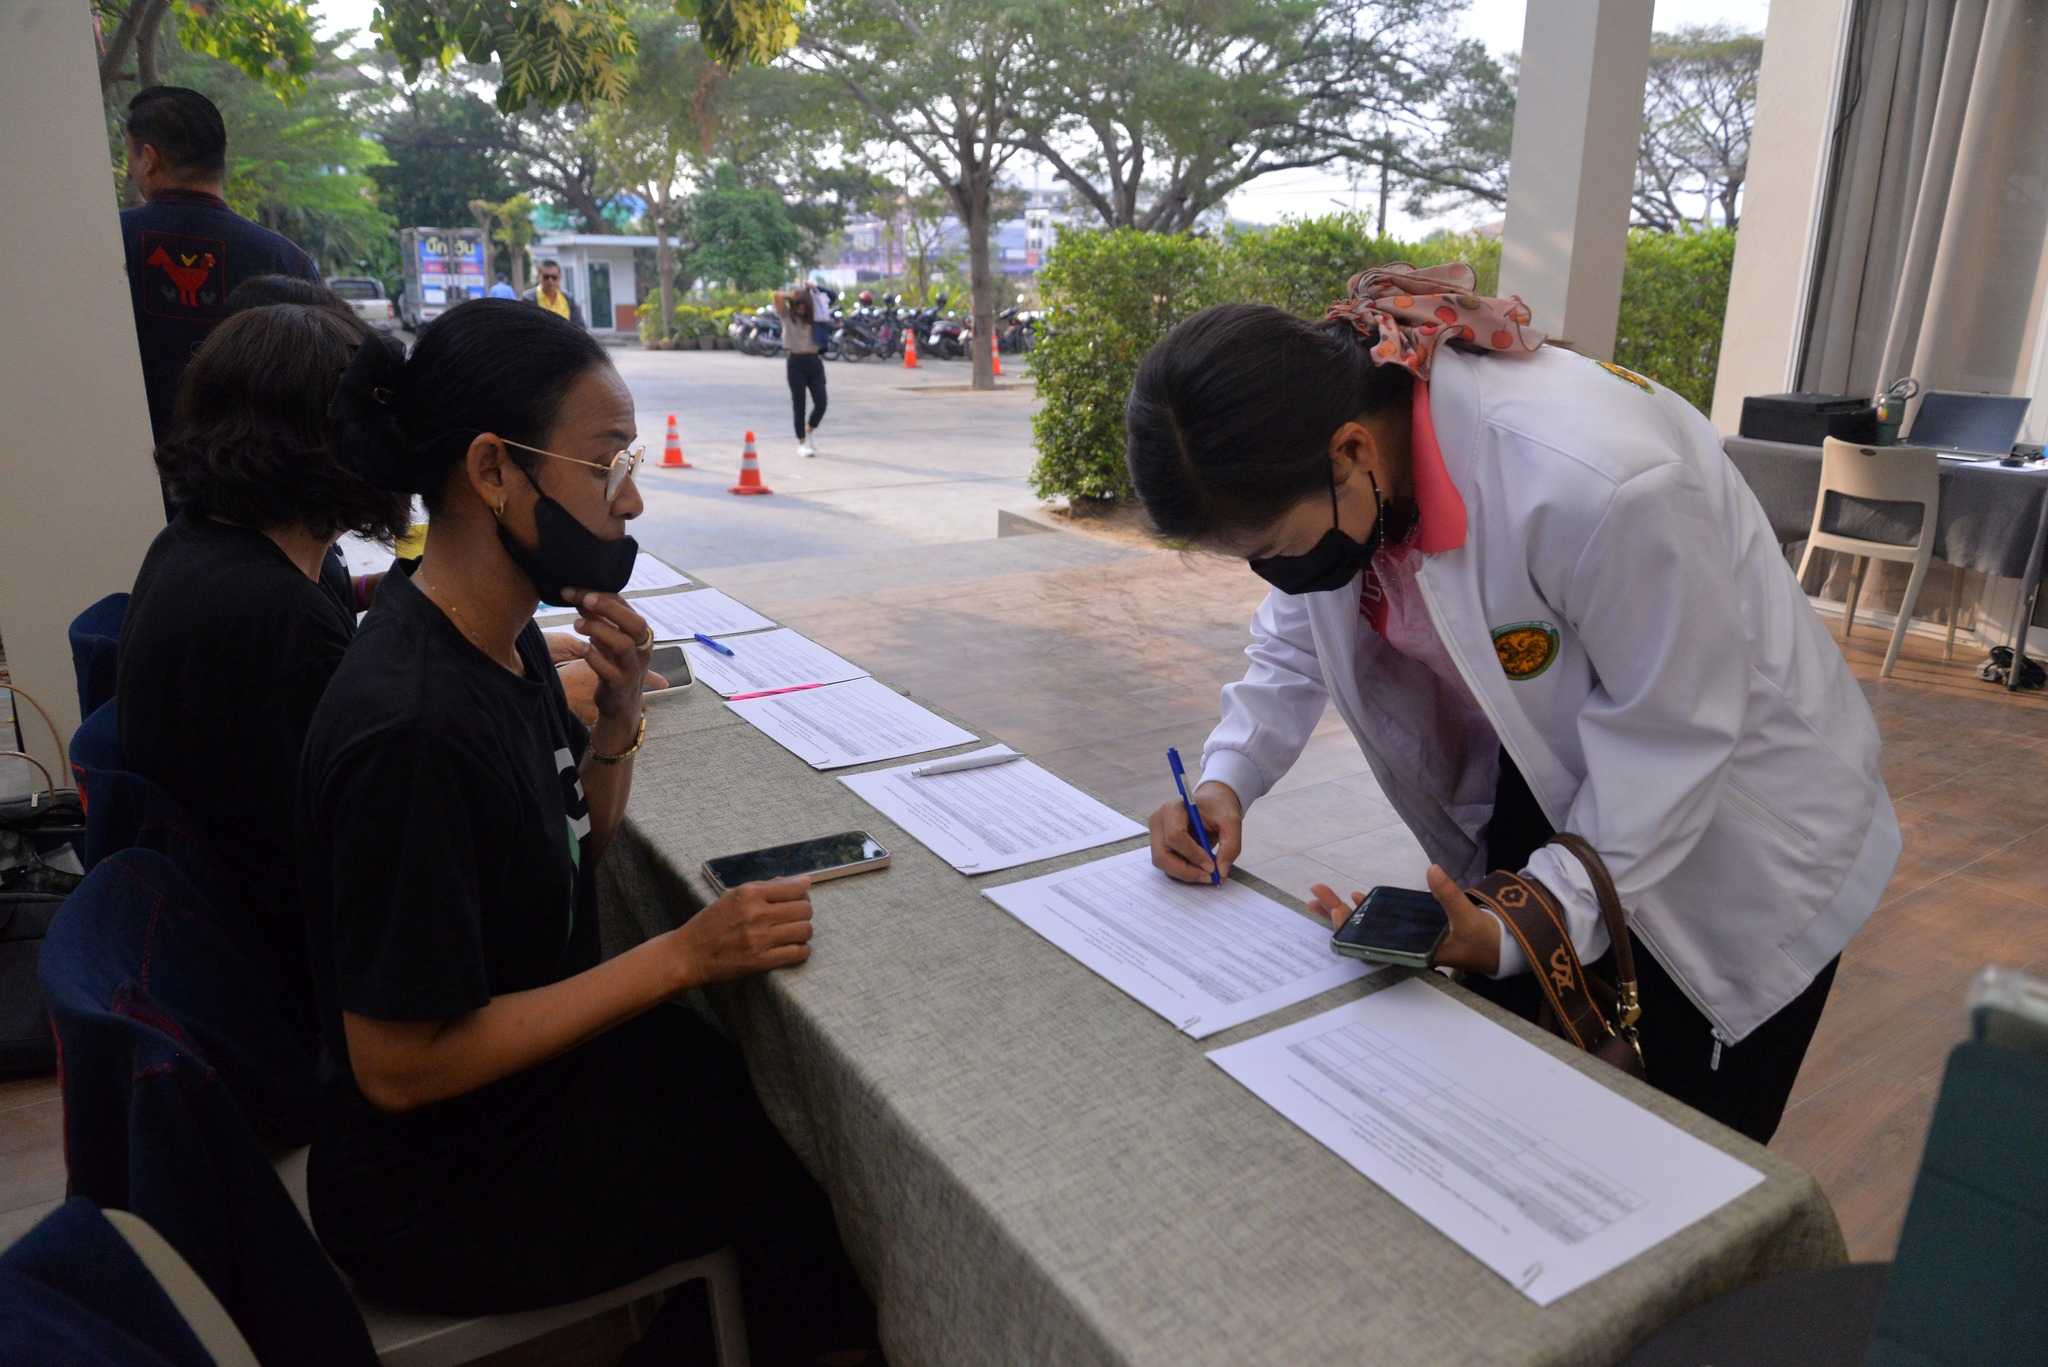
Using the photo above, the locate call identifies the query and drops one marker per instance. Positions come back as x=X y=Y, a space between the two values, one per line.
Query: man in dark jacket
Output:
x=186 y=249
x=550 y=295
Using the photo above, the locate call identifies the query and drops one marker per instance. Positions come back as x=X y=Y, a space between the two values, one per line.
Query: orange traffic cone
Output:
x=750 y=473
x=910 y=350
x=995 y=360
x=672 y=449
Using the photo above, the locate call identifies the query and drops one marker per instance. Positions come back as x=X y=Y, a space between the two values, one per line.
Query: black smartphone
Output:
x=1393 y=926
x=827 y=857
x=673 y=665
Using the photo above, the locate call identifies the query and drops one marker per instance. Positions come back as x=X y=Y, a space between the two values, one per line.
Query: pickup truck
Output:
x=366 y=297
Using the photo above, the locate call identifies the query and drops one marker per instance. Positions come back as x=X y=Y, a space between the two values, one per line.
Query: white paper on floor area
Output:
x=848 y=723
x=982 y=820
x=1532 y=1167
x=679 y=616
x=652 y=574
x=767 y=659
x=1206 y=958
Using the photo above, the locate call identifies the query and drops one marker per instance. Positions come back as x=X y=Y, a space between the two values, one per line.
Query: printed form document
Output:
x=1206 y=958
x=770 y=659
x=679 y=616
x=848 y=723
x=1533 y=1168
x=652 y=574
x=981 y=820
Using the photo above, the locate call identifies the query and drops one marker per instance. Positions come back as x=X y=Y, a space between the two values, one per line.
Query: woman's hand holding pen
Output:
x=1175 y=850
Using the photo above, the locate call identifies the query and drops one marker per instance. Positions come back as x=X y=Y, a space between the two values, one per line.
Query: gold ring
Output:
x=648 y=639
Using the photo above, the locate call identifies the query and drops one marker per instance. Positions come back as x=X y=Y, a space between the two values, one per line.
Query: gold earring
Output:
x=498 y=511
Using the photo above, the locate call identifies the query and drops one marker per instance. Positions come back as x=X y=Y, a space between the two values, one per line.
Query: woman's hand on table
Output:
x=1473 y=943
x=1176 y=852
x=753 y=928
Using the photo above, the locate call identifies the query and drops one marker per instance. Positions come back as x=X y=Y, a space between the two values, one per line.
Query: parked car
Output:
x=367 y=298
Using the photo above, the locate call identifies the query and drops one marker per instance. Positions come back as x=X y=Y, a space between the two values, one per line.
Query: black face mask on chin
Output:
x=568 y=554
x=1333 y=561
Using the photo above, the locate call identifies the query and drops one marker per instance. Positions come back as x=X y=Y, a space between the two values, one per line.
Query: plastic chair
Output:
x=102 y=1287
x=125 y=809
x=410 y=1338
x=1885 y=474
x=96 y=650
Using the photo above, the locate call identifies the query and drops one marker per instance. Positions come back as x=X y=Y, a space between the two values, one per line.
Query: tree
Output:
x=447 y=146
x=508 y=224
x=1465 y=159
x=304 y=168
x=925 y=244
x=1699 y=110
x=952 y=82
x=270 y=41
x=1155 y=112
x=739 y=235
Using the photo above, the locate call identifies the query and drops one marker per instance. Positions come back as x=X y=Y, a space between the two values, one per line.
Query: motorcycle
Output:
x=946 y=334
x=1016 y=331
x=765 y=338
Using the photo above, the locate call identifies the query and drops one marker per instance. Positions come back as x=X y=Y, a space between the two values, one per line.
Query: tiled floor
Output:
x=1095 y=657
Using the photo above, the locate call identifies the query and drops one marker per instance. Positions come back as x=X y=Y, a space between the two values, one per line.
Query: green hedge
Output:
x=1111 y=295
x=692 y=320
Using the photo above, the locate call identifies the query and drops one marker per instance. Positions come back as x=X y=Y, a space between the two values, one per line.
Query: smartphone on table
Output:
x=1393 y=926
x=822 y=859
x=670 y=662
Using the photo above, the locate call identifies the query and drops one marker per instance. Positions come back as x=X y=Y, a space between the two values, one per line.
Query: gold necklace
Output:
x=461 y=623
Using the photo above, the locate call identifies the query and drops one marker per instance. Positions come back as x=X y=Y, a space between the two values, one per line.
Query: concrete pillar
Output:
x=1797 y=91
x=79 y=500
x=1578 y=120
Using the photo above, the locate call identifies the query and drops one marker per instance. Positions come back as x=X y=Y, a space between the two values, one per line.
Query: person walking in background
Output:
x=550 y=295
x=797 y=307
x=186 y=250
x=503 y=289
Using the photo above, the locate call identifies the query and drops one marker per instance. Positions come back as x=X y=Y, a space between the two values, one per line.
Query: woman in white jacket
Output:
x=1544 y=601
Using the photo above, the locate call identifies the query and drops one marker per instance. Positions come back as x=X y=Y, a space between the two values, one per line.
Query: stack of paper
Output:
x=652 y=574
x=680 y=616
x=981 y=820
x=1206 y=958
x=848 y=723
x=769 y=659
x=1533 y=1168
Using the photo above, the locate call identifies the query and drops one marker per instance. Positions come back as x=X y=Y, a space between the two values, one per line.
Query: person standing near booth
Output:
x=550 y=295
x=1544 y=602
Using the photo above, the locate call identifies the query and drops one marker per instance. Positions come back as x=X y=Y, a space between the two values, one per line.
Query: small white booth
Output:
x=598 y=272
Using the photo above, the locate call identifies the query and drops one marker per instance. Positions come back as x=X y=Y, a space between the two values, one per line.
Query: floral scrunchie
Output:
x=1416 y=311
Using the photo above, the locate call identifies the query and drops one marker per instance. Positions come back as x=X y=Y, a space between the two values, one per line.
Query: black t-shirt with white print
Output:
x=443 y=838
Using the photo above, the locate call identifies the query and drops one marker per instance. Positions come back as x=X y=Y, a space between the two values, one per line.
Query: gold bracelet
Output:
x=602 y=758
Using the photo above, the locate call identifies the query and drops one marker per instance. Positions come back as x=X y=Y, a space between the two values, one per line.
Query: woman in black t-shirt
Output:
x=513 y=1122
x=234 y=625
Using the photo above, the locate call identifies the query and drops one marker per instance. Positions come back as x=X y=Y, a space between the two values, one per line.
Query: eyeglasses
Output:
x=619 y=468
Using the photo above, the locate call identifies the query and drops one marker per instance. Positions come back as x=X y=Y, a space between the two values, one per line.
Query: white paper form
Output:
x=849 y=723
x=679 y=616
x=1538 y=1171
x=652 y=574
x=769 y=659
x=1206 y=958
x=981 y=820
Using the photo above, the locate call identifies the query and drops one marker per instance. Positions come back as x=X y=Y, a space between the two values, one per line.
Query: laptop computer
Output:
x=1968 y=426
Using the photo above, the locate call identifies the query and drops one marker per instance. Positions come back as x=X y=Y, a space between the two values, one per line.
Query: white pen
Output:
x=954 y=766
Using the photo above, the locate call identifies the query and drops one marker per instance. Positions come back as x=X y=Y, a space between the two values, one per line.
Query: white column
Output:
x=1775 y=249
x=1578 y=120
x=79 y=500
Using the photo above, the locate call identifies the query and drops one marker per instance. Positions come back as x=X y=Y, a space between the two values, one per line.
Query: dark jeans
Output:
x=655 y=1151
x=807 y=373
x=1744 y=1085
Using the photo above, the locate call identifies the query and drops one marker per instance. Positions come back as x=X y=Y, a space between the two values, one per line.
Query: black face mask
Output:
x=1332 y=562
x=569 y=555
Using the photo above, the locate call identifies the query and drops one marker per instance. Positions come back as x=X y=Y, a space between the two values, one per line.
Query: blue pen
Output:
x=702 y=639
x=1180 y=781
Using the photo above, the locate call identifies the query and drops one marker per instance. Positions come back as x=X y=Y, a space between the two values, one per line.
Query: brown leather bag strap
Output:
x=1533 y=917
x=1616 y=917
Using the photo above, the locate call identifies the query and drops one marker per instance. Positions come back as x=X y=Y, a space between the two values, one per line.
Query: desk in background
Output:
x=1993 y=518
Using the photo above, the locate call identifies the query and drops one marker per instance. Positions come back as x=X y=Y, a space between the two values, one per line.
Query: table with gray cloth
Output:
x=1993 y=518
x=1029 y=1167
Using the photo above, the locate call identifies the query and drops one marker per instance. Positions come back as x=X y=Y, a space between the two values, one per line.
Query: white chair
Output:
x=405 y=1338
x=1889 y=474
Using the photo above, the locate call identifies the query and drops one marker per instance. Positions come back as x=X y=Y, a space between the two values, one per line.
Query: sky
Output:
x=1310 y=192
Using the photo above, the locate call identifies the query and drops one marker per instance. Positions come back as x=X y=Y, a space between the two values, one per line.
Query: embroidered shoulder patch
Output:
x=1525 y=648
x=1622 y=373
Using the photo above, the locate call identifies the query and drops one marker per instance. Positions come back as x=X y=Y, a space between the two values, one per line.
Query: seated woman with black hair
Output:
x=511 y=1121
x=232 y=632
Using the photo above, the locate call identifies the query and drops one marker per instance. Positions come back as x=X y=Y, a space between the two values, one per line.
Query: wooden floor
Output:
x=1966 y=763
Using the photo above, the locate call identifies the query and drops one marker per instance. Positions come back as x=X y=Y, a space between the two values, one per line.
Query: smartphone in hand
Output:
x=1398 y=926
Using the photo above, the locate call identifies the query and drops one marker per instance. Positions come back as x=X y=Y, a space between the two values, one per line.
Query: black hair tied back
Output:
x=369 y=425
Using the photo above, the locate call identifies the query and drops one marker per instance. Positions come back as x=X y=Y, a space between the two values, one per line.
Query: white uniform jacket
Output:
x=1619 y=608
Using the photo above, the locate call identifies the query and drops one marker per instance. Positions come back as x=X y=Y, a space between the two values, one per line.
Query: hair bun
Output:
x=369 y=429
